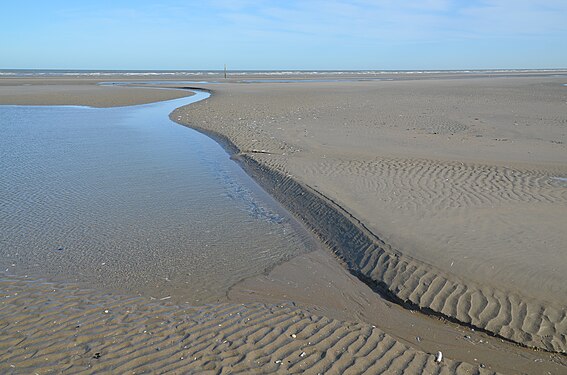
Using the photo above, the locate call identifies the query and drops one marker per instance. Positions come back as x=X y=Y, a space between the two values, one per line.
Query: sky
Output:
x=283 y=35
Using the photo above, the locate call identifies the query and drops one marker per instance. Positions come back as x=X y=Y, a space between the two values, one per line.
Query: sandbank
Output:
x=441 y=192
x=78 y=92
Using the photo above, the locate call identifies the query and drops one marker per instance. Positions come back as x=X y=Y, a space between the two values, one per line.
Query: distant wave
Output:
x=104 y=73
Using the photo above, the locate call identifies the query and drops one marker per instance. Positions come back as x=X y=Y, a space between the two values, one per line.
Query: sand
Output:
x=442 y=192
x=63 y=330
x=78 y=92
x=319 y=285
x=347 y=183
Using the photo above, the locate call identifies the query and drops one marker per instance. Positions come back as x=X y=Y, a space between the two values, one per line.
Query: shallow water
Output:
x=125 y=199
x=561 y=181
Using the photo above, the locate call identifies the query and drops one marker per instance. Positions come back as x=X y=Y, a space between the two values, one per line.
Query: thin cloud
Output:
x=401 y=20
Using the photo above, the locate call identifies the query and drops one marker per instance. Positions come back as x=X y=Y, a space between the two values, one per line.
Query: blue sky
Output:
x=265 y=34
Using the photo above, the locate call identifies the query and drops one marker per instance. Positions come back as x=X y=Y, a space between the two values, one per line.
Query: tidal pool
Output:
x=125 y=199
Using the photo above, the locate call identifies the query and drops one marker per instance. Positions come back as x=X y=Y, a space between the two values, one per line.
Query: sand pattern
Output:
x=446 y=184
x=385 y=173
x=413 y=282
x=58 y=328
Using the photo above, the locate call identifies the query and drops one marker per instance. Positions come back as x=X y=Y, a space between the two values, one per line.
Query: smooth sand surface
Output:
x=79 y=92
x=450 y=182
x=266 y=122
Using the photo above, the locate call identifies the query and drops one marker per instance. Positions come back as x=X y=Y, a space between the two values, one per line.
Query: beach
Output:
x=454 y=185
x=439 y=203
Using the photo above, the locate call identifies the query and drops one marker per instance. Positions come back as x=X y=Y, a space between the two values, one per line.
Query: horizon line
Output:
x=280 y=70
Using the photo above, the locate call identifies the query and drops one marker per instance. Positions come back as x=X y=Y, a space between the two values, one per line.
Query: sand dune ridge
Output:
x=507 y=315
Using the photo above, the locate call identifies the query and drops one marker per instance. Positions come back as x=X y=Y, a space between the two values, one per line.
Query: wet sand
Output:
x=78 y=92
x=64 y=330
x=319 y=285
x=250 y=115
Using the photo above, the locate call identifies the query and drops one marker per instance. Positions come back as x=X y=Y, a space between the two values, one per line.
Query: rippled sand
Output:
x=443 y=192
x=50 y=328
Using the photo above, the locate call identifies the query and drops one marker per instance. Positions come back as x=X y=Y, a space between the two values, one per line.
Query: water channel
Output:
x=125 y=199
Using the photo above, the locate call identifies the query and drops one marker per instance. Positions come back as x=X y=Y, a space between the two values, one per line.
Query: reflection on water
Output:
x=123 y=198
x=562 y=181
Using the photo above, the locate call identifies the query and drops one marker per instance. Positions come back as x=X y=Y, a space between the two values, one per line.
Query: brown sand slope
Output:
x=441 y=192
x=52 y=328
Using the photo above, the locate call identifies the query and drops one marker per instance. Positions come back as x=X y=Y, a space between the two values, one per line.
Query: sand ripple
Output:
x=58 y=328
x=527 y=321
x=438 y=193
x=445 y=184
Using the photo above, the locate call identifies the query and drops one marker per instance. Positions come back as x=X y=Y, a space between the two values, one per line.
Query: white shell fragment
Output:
x=439 y=357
